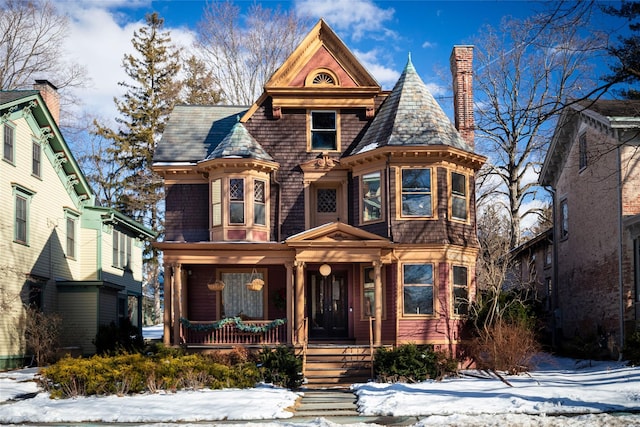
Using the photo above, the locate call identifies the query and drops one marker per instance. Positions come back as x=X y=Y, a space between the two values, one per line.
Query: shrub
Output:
x=135 y=373
x=281 y=366
x=632 y=349
x=123 y=338
x=411 y=363
x=42 y=333
x=504 y=346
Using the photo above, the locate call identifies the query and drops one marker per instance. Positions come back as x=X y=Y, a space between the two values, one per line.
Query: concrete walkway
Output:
x=339 y=405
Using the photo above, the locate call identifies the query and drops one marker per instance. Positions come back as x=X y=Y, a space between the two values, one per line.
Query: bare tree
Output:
x=527 y=70
x=32 y=37
x=245 y=53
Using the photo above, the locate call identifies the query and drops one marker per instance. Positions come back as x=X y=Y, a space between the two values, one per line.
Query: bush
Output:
x=412 y=363
x=281 y=366
x=504 y=346
x=631 y=350
x=134 y=373
x=42 y=334
x=123 y=338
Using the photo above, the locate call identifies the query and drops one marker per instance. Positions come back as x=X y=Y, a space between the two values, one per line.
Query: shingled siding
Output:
x=187 y=215
x=285 y=140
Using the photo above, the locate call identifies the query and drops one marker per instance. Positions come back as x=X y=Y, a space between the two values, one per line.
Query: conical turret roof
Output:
x=239 y=144
x=410 y=116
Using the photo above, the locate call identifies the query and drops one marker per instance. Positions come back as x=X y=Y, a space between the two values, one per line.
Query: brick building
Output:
x=593 y=171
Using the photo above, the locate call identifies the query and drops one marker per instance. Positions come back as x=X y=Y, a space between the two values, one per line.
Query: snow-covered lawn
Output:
x=561 y=392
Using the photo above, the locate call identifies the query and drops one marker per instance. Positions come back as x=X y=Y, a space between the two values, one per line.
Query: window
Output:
x=216 y=202
x=564 y=219
x=122 y=247
x=323 y=130
x=582 y=144
x=71 y=237
x=9 y=143
x=460 y=291
x=22 y=199
x=418 y=288
x=236 y=201
x=21 y=219
x=35 y=162
x=548 y=255
x=237 y=299
x=416 y=192
x=323 y=79
x=371 y=202
x=368 y=293
x=458 y=196
x=259 y=200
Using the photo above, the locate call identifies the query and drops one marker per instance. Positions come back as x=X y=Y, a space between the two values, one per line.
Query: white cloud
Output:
x=98 y=40
x=427 y=44
x=359 y=18
x=386 y=77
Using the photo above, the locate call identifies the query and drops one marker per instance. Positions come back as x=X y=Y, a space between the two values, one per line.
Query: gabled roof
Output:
x=612 y=114
x=321 y=50
x=239 y=144
x=320 y=41
x=336 y=233
x=30 y=105
x=194 y=131
x=410 y=116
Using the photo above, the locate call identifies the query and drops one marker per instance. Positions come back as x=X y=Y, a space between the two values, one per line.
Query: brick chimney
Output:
x=51 y=97
x=462 y=71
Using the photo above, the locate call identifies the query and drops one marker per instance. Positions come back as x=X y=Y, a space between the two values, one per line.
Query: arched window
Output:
x=323 y=79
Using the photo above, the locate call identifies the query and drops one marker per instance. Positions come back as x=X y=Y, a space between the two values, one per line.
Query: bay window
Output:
x=418 y=289
x=416 y=193
x=371 y=201
x=458 y=196
x=236 y=201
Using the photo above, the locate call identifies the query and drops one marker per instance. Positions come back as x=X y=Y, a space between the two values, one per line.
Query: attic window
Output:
x=323 y=79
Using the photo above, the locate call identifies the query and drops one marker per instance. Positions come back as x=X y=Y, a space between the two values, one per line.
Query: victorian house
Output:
x=328 y=212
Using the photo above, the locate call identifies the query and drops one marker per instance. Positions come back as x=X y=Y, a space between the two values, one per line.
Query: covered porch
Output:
x=313 y=286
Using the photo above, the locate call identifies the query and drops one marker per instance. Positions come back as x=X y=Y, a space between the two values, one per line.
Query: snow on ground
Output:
x=560 y=392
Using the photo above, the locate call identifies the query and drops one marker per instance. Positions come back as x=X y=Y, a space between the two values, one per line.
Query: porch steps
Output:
x=337 y=365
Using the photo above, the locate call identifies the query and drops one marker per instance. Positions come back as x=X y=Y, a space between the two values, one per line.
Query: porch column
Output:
x=289 y=298
x=299 y=302
x=377 y=332
x=177 y=312
x=168 y=279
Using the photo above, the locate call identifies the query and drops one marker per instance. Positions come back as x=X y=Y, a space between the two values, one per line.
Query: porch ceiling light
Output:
x=325 y=270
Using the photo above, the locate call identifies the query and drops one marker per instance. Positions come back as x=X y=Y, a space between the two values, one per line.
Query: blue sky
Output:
x=380 y=33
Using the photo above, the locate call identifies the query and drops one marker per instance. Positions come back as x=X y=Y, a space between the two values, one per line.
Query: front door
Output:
x=328 y=309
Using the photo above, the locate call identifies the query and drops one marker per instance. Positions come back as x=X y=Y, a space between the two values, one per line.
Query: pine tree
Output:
x=144 y=110
x=198 y=83
x=627 y=52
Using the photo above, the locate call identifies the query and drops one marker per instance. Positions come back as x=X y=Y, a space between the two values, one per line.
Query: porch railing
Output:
x=198 y=333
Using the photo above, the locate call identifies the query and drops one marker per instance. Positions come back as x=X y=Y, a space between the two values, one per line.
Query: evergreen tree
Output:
x=144 y=110
x=627 y=69
x=198 y=83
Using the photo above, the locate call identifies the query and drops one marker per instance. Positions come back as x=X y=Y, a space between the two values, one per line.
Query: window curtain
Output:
x=237 y=299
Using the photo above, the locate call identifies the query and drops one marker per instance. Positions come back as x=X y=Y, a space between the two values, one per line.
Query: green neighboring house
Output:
x=58 y=251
